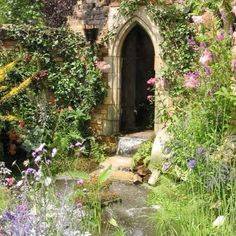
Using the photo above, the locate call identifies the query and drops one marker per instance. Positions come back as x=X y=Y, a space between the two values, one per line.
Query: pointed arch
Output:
x=123 y=26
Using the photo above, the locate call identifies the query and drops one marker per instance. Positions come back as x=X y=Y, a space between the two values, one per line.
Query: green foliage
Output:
x=21 y=12
x=64 y=91
x=143 y=154
x=185 y=212
x=4 y=198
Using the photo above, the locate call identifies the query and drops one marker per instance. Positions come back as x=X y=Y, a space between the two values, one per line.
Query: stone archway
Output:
x=137 y=66
x=123 y=26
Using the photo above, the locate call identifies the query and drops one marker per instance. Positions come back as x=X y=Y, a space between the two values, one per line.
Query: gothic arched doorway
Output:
x=137 y=66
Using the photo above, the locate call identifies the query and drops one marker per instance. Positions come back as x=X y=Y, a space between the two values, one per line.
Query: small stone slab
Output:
x=116 y=175
x=117 y=163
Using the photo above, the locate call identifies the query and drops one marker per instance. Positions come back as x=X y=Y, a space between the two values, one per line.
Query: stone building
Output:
x=133 y=54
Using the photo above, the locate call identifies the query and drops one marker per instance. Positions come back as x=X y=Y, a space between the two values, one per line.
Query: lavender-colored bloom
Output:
x=48 y=162
x=165 y=166
x=72 y=146
x=34 y=154
x=191 y=164
x=191 y=80
x=7 y=216
x=206 y=58
x=80 y=182
x=40 y=148
x=221 y=36
x=203 y=45
x=192 y=43
x=208 y=70
x=30 y=171
x=38 y=159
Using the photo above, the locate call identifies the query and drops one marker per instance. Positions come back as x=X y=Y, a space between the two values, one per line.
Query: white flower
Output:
x=26 y=163
x=197 y=19
x=54 y=152
x=47 y=181
x=219 y=221
x=38 y=159
x=20 y=183
x=40 y=148
x=234 y=10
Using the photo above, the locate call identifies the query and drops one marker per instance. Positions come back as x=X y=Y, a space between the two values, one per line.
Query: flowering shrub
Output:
x=64 y=86
x=38 y=208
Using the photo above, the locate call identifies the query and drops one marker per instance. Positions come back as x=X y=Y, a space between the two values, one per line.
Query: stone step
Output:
x=117 y=163
x=116 y=175
x=130 y=143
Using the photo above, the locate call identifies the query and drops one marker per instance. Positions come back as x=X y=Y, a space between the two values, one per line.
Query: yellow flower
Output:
x=8 y=118
x=5 y=69
x=16 y=90
x=3 y=88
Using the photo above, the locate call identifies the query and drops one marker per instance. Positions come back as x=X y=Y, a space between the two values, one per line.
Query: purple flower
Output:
x=192 y=43
x=206 y=58
x=165 y=166
x=191 y=80
x=191 y=164
x=80 y=182
x=48 y=162
x=208 y=70
x=40 y=148
x=221 y=36
x=202 y=45
x=38 y=159
x=30 y=171
x=7 y=216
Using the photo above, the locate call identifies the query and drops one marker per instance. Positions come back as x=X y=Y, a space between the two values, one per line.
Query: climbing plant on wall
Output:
x=67 y=84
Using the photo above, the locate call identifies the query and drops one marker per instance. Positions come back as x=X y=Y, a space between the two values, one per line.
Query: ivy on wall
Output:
x=66 y=82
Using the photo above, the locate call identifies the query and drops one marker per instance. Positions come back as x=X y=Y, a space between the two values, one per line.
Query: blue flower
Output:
x=191 y=164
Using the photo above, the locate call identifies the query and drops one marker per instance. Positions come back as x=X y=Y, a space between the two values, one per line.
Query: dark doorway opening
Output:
x=137 y=67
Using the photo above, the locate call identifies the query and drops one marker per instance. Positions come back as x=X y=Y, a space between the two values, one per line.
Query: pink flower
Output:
x=150 y=98
x=151 y=81
x=36 y=77
x=103 y=66
x=191 y=80
x=80 y=182
x=221 y=36
x=43 y=73
x=206 y=58
x=10 y=182
x=197 y=19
